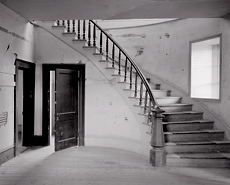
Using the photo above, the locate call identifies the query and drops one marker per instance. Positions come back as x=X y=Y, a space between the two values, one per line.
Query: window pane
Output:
x=205 y=69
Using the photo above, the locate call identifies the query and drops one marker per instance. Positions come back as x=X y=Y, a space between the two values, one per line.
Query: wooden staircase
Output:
x=190 y=140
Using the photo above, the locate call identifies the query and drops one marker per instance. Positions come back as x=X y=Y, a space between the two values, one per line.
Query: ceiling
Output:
x=117 y=9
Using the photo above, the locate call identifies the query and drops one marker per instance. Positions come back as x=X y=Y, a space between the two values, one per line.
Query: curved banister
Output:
x=140 y=74
x=79 y=28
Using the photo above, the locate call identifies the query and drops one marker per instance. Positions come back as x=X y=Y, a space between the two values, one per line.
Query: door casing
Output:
x=28 y=69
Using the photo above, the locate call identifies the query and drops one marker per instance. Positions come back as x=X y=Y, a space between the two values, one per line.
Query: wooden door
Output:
x=66 y=124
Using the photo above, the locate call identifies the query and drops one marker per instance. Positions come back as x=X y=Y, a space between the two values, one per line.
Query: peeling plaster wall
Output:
x=108 y=119
x=165 y=54
x=16 y=39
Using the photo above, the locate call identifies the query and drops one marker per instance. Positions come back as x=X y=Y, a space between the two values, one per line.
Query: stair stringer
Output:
x=89 y=52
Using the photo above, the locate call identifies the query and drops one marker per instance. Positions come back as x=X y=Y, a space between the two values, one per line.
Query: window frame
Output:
x=220 y=68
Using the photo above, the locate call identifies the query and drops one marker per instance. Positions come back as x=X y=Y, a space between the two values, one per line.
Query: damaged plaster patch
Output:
x=167 y=35
x=133 y=35
x=140 y=50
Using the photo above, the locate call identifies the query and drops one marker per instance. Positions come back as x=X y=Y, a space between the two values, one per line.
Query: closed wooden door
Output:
x=66 y=124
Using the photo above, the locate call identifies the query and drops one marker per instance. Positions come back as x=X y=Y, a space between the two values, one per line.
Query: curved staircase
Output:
x=190 y=140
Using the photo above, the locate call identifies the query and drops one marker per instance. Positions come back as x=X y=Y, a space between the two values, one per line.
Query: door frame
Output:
x=81 y=105
x=28 y=74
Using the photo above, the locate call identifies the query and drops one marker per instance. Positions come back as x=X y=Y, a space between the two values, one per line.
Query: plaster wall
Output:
x=108 y=119
x=16 y=40
x=162 y=51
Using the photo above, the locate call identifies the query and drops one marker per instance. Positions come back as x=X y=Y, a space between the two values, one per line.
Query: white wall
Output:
x=163 y=51
x=16 y=37
x=108 y=119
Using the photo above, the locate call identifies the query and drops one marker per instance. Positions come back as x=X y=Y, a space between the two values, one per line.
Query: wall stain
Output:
x=133 y=35
x=140 y=50
x=167 y=35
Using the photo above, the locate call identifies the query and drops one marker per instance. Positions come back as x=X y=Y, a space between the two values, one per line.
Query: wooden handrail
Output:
x=140 y=74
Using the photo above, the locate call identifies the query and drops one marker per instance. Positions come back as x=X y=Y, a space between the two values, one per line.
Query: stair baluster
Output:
x=141 y=92
x=84 y=29
x=89 y=34
x=94 y=35
x=107 y=49
x=68 y=26
x=113 y=53
x=79 y=29
x=135 y=91
x=125 y=78
x=119 y=63
x=146 y=99
x=101 y=42
x=73 y=21
x=130 y=84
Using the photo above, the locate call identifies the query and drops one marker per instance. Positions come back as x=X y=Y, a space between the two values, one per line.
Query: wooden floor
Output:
x=101 y=166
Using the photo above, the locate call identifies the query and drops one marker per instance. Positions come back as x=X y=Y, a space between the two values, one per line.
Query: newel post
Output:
x=157 y=153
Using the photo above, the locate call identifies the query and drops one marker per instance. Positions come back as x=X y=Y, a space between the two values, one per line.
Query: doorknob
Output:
x=61 y=133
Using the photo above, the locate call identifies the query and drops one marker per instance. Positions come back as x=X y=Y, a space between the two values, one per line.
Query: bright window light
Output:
x=205 y=68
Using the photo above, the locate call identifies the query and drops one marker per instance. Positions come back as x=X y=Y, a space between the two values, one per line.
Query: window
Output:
x=205 y=68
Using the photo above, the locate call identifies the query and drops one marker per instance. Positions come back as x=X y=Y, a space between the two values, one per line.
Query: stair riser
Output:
x=176 y=108
x=205 y=163
x=121 y=79
x=138 y=88
x=182 y=117
x=197 y=148
x=187 y=127
x=194 y=137
x=161 y=93
x=122 y=73
x=168 y=100
x=156 y=94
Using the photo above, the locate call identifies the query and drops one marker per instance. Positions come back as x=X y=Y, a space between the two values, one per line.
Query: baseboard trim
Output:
x=7 y=155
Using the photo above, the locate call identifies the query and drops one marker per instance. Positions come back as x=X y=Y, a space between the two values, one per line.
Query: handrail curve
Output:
x=140 y=74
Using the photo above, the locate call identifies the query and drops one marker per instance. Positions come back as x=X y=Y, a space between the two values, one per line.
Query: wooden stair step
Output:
x=208 y=160
x=182 y=116
x=168 y=100
x=201 y=155
x=202 y=135
x=197 y=147
x=187 y=125
x=176 y=107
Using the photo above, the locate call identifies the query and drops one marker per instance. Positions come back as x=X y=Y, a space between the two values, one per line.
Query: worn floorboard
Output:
x=99 y=166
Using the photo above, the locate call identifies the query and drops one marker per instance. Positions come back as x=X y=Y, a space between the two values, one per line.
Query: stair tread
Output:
x=58 y=26
x=69 y=33
x=188 y=122
x=174 y=105
x=200 y=155
x=83 y=40
x=132 y=83
x=223 y=142
x=168 y=97
x=182 y=112
x=194 y=132
x=156 y=90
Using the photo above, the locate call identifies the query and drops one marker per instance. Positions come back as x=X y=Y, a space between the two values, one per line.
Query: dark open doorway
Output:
x=63 y=105
x=24 y=105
